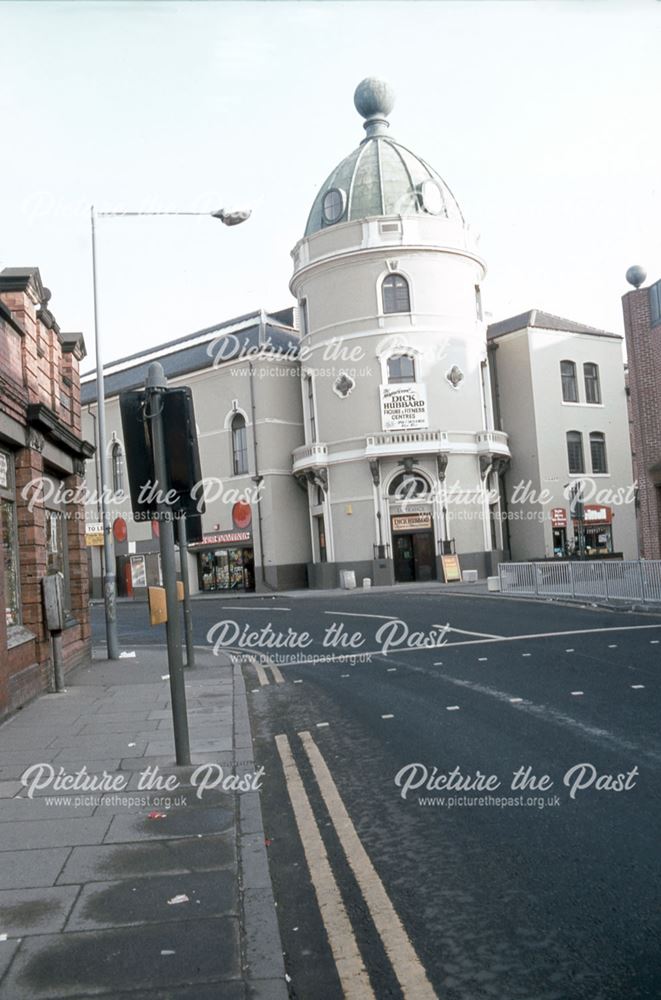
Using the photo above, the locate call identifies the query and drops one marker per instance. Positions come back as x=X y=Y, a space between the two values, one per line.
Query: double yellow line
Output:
x=350 y=966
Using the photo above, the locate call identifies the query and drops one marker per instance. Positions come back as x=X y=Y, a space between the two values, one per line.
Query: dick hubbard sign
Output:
x=403 y=407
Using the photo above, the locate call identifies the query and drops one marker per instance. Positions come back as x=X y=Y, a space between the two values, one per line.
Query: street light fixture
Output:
x=228 y=218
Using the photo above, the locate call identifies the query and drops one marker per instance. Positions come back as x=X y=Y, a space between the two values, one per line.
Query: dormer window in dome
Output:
x=334 y=204
x=431 y=198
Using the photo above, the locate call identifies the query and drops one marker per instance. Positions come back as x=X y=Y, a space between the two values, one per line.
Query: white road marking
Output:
x=612 y=645
x=360 y=614
x=516 y=701
x=261 y=674
x=470 y=642
x=654 y=642
x=255 y=690
x=279 y=679
x=387 y=716
x=320 y=725
x=452 y=708
x=298 y=682
x=350 y=967
x=463 y=631
x=526 y=654
x=258 y=607
x=482 y=659
x=576 y=694
x=637 y=687
x=391 y=670
x=345 y=675
x=396 y=942
x=547 y=714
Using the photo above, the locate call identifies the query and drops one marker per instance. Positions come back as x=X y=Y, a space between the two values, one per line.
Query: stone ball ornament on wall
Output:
x=343 y=385
x=455 y=376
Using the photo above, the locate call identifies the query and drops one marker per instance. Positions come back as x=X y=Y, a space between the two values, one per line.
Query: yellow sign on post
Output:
x=451 y=569
x=158 y=612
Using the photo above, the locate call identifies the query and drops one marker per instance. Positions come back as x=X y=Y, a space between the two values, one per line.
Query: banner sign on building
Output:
x=403 y=407
x=224 y=538
x=594 y=513
x=558 y=517
x=411 y=522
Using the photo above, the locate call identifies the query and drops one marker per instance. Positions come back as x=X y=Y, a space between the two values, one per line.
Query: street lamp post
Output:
x=228 y=218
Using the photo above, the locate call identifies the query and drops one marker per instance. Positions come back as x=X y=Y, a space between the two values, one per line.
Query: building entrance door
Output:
x=414 y=556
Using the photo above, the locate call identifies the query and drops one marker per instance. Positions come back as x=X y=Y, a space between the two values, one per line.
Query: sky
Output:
x=541 y=116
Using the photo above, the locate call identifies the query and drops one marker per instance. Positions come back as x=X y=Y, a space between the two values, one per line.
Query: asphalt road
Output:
x=524 y=894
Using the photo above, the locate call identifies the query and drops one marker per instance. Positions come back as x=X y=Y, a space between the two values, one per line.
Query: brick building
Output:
x=42 y=461
x=642 y=326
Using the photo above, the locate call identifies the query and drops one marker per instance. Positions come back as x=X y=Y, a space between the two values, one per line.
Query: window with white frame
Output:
x=591 y=379
x=598 y=453
x=396 y=295
x=401 y=368
x=575 y=457
x=569 y=383
x=239 y=446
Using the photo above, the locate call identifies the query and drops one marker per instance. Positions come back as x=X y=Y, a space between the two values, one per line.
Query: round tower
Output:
x=401 y=460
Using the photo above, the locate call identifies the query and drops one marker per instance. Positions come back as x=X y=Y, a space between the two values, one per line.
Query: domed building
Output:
x=401 y=461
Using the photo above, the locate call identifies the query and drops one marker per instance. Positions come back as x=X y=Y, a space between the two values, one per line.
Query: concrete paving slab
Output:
x=35 y=911
x=55 y=966
x=263 y=949
x=28 y=869
x=186 y=823
x=27 y=834
x=109 y=861
x=20 y=808
x=148 y=900
x=9 y=788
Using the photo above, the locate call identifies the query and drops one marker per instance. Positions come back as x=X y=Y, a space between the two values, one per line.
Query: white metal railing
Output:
x=607 y=579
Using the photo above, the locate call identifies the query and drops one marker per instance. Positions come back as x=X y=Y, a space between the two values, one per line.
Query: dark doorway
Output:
x=414 y=556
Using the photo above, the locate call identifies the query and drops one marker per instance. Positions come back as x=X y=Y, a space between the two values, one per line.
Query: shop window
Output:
x=569 y=383
x=592 y=386
x=401 y=369
x=239 y=446
x=598 y=452
x=9 y=540
x=575 y=452
x=396 y=297
x=117 y=468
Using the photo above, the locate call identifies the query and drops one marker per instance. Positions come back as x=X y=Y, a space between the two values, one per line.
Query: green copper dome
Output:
x=380 y=177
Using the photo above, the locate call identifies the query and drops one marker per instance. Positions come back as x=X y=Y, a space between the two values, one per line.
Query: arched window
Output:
x=598 y=452
x=575 y=452
x=401 y=369
x=239 y=446
x=408 y=485
x=569 y=384
x=591 y=378
x=117 y=468
x=395 y=291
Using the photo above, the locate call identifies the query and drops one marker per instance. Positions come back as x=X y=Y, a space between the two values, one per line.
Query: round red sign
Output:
x=241 y=514
x=119 y=529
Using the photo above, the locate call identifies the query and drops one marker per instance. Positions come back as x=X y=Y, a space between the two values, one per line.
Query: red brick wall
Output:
x=47 y=373
x=644 y=354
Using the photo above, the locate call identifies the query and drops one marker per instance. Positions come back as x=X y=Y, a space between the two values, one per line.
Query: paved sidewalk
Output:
x=125 y=892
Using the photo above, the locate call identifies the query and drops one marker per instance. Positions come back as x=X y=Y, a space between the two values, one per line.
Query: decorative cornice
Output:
x=40 y=417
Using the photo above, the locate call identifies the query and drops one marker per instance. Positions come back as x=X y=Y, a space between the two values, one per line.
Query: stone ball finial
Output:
x=636 y=275
x=374 y=98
